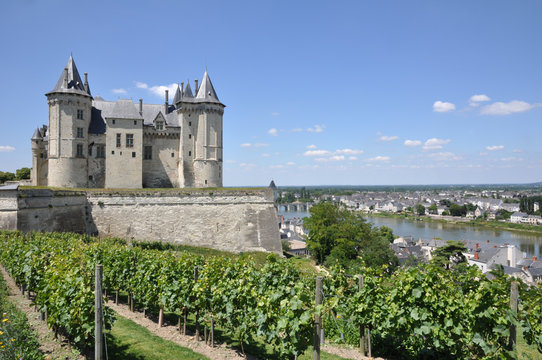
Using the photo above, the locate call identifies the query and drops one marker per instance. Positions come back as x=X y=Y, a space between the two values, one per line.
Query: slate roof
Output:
x=206 y=92
x=37 y=135
x=177 y=96
x=126 y=109
x=75 y=85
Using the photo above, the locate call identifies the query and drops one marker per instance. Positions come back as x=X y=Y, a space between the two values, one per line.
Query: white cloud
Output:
x=158 y=90
x=517 y=150
x=256 y=145
x=311 y=147
x=511 y=158
x=229 y=161
x=246 y=165
x=331 y=158
x=379 y=159
x=412 y=143
x=388 y=138
x=316 y=153
x=273 y=132
x=435 y=143
x=119 y=91
x=483 y=154
x=445 y=156
x=349 y=152
x=290 y=163
x=502 y=108
x=266 y=155
x=6 y=148
x=352 y=158
x=441 y=106
x=475 y=100
x=317 y=129
x=495 y=147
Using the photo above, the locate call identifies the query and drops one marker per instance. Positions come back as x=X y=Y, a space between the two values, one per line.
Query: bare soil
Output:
x=53 y=348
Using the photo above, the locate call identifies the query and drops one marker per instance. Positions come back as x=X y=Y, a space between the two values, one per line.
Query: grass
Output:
x=129 y=341
x=526 y=352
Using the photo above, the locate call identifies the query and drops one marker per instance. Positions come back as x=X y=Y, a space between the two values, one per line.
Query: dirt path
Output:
x=346 y=352
x=170 y=332
x=54 y=348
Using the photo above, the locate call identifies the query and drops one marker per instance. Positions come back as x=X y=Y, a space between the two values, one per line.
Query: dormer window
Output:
x=79 y=114
x=159 y=125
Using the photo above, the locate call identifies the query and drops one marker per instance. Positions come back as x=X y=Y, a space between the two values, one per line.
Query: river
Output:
x=530 y=244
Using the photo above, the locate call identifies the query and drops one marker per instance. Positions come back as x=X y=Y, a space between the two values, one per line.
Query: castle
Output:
x=93 y=143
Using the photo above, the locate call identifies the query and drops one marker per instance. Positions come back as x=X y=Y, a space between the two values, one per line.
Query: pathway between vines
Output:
x=54 y=348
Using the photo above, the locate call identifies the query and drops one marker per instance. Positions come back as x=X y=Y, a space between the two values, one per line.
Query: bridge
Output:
x=294 y=207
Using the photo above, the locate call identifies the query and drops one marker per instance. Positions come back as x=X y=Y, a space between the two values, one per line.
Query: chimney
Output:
x=477 y=246
x=476 y=256
x=182 y=88
x=86 y=82
x=196 y=81
x=487 y=241
x=535 y=258
x=65 y=83
x=141 y=107
x=494 y=246
x=166 y=105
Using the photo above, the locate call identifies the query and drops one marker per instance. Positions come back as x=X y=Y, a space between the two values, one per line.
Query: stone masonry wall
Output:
x=231 y=220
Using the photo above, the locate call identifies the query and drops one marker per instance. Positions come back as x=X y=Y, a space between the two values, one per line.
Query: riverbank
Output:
x=494 y=225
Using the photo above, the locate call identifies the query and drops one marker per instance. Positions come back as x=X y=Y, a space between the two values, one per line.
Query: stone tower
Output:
x=70 y=104
x=200 y=116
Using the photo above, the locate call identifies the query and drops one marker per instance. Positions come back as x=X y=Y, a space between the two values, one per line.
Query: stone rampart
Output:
x=226 y=219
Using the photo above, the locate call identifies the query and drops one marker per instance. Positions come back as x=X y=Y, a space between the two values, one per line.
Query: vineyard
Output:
x=424 y=312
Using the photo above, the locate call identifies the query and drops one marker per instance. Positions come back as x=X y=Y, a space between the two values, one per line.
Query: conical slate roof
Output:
x=177 y=96
x=37 y=135
x=71 y=77
x=188 y=91
x=206 y=92
x=272 y=185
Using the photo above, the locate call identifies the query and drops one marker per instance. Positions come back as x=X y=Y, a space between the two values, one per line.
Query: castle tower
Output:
x=70 y=104
x=201 y=146
x=37 y=144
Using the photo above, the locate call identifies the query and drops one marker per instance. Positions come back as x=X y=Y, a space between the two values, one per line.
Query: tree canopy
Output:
x=337 y=235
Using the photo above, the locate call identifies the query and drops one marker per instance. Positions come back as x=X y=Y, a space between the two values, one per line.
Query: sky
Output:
x=316 y=92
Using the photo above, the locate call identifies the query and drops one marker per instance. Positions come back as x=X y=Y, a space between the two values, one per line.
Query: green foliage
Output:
x=420 y=209
x=22 y=173
x=6 y=176
x=339 y=236
x=503 y=214
x=449 y=255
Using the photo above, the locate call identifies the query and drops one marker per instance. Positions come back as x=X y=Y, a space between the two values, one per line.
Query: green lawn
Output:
x=129 y=341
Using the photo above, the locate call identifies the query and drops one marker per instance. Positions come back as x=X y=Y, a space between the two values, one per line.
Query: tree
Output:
x=338 y=236
x=22 y=173
x=386 y=233
x=457 y=210
x=420 y=209
x=449 y=255
x=433 y=208
x=6 y=176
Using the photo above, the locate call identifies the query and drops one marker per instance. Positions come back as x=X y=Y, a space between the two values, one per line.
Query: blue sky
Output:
x=336 y=92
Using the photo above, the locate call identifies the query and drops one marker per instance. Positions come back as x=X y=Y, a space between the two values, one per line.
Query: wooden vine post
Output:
x=317 y=319
x=362 y=339
x=98 y=314
x=514 y=292
x=196 y=273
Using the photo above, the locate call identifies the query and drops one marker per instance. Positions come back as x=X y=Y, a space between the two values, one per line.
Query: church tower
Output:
x=70 y=104
x=200 y=116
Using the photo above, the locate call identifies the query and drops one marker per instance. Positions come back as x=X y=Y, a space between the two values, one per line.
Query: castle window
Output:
x=79 y=152
x=147 y=153
x=79 y=114
x=118 y=140
x=90 y=151
x=113 y=121
x=135 y=122
x=190 y=153
x=100 y=151
x=159 y=125
x=190 y=136
x=90 y=177
x=190 y=123
x=129 y=140
x=172 y=154
x=41 y=155
x=112 y=152
x=205 y=182
x=80 y=133
x=133 y=154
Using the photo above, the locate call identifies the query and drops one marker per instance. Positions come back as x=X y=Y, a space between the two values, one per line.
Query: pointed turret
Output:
x=206 y=92
x=37 y=135
x=177 y=97
x=70 y=81
x=188 y=91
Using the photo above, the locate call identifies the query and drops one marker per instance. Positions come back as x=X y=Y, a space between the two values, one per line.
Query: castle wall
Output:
x=96 y=164
x=230 y=220
x=161 y=171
